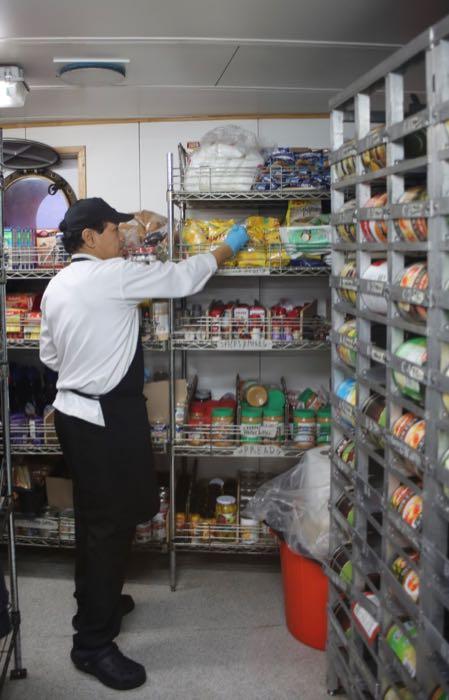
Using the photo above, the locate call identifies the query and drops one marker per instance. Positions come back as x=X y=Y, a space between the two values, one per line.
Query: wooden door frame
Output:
x=78 y=153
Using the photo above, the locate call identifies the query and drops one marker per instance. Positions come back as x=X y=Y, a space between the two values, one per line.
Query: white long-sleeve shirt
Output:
x=90 y=321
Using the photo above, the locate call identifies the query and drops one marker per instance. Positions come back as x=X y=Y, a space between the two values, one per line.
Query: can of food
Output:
x=439 y=693
x=414 y=277
x=401 y=645
x=348 y=272
x=375 y=230
x=415 y=352
x=323 y=425
x=341 y=563
x=406 y=576
x=375 y=409
x=376 y=272
x=445 y=397
x=347 y=392
x=347 y=232
x=413 y=229
x=398 y=692
x=343 y=619
x=347 y=354
x=409 y=506
x=346 y=507
x=445 y=465
x=411 y=430
x=309 y=400
x=345 y=450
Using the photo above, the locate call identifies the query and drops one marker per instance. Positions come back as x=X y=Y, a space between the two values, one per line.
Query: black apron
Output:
x=113 y=466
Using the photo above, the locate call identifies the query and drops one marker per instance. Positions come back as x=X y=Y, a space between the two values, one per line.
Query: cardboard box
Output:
x=59 y=492
x=158 y=399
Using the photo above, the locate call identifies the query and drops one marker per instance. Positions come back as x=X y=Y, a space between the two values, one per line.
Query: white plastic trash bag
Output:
x=295 y=504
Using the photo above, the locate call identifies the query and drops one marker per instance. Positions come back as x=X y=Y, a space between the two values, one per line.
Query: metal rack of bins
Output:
x=185 y=201
x=378 y=533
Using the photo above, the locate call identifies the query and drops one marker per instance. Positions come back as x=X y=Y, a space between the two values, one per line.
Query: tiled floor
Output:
x=220 y=636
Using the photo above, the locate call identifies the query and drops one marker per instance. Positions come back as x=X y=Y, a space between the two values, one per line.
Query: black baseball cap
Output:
x=87 y=212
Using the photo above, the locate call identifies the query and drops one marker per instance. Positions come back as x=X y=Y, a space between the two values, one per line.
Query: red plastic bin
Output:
x=305 y=598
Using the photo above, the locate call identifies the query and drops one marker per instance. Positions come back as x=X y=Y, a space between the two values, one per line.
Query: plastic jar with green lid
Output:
x=221 y=428
x=323 y=425
x=251 y=421
x=304 y=428
x=273 y=428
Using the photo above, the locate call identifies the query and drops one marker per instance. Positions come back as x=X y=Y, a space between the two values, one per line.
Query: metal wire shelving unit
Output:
x=195 y=335
x=413 y=610
x=11 y=646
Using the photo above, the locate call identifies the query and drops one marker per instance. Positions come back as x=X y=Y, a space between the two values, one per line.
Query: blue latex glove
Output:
x=237 y=238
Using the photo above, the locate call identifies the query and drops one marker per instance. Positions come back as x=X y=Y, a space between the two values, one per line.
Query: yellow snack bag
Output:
x=252 y=257
x=194 y=235
x=218 y=229
x=260 y=228
x=277 y=256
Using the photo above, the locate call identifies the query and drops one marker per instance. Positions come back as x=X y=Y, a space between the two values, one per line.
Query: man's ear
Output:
x=88 y=238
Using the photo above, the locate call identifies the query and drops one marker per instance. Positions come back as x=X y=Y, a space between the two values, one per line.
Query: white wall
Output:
x=125 y=163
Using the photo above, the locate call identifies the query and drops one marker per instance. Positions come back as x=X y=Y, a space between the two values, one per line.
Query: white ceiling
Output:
x=191 y=57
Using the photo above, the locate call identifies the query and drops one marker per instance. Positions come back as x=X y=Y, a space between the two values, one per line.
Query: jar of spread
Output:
x=323 y=426
x=221 y=429
x=304 y=428
x=226 y=516
x=407 y=577
x=254 y=394
x=273 y=427
x=197 y=430
x=309 y=400
x=251 y=420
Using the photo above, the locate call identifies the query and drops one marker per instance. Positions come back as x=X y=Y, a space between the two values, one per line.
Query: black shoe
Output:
x=127 y=604
x=111 y=667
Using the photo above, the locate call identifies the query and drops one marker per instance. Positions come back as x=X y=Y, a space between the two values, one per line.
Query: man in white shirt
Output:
x=90 y=336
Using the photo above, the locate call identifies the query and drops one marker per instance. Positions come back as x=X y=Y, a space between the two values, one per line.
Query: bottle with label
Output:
x=304 y=429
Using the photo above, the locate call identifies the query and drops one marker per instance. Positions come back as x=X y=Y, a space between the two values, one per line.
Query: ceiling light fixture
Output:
x=13 y=88
x=89 y=72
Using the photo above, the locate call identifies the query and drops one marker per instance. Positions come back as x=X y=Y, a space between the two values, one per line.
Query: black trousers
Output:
x=104 y=529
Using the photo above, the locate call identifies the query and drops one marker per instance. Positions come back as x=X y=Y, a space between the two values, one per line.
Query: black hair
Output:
x=73 y=240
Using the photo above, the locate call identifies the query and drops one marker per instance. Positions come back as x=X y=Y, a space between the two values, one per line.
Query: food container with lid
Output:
x=254 y=394
x=273 y=426
x=304 y=428
x=251 y=421
x=221 y=427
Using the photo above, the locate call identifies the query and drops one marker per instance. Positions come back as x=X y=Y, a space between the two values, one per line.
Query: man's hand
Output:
x=237 y=238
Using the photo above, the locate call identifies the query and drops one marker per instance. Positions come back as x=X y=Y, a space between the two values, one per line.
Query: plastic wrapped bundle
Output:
x=227 y=161
x=295 y=504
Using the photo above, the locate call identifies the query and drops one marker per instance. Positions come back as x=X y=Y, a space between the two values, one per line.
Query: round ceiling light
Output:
x=92 y=74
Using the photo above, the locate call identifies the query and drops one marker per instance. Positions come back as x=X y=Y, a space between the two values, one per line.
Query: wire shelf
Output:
x=230 y=539
x=252 y=334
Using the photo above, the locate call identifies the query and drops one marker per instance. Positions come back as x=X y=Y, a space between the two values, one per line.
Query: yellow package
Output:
x=194 y=235
x=232 y=262
x=218 y=229
x=302 y=211
x=262 y=228
x=252 y=257
x=277 y=257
